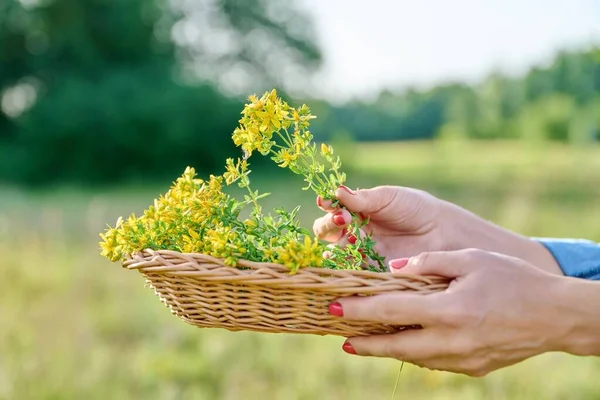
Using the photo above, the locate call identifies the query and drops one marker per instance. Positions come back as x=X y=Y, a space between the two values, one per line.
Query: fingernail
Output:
x=399 y=263
x=338 y=218
x=335 y=309
x=347 y=347
x=319 y=201
x=347 y=189
x=351 y=238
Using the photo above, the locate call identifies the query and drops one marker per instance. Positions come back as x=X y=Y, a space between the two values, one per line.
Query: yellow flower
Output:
x=273 y=115
x=255 y=103
x=326 y=150
x=261 y=119
x=296 y=255
x=110 y=245
x=286 y=157
x=233 y=172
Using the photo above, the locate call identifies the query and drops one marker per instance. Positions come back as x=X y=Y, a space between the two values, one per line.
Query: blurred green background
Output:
x=104 y=103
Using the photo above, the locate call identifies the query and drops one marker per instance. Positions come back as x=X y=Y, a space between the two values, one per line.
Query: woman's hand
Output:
x=497 y=311
x=406 y=222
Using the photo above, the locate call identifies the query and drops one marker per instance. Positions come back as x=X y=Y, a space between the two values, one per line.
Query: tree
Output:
x=113 y=96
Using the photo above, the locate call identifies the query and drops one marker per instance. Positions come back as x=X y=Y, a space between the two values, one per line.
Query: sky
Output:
x=370 y=45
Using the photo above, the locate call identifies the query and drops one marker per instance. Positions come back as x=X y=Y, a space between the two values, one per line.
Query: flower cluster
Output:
x=270 y=126
x=274 y=128
x=197 y=216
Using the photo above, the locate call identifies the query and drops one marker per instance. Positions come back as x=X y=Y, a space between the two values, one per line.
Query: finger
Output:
x=349 y=238
x=366 y=201
x=330 y=226
x=413 y=345
x=450 y=264
x=398 y=308
x=325 y=205
x=344 y=240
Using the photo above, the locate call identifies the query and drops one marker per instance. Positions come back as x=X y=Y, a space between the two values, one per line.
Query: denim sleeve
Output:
x=576 y=257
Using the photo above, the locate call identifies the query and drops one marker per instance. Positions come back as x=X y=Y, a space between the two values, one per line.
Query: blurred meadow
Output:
x=105 y=102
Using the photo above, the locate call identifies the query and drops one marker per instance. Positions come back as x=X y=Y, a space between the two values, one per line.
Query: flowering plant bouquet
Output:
x=264 y=272
x=197 y=216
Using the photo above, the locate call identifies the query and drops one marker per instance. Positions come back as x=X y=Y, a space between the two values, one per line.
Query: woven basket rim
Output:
x=211 y=268
x=134 y=261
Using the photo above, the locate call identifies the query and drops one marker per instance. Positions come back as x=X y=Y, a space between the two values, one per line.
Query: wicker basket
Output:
x=264 y=297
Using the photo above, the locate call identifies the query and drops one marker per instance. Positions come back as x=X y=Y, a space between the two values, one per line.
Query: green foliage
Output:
x=132 y=124
x=550 y=100
x=414 y=115
x=101 y=91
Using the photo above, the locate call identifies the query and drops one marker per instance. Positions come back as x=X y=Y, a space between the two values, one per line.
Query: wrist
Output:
x=537 y=254
x=578 y=316
x=467 y=230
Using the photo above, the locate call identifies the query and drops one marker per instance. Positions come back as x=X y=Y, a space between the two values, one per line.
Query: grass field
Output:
x=74 y=326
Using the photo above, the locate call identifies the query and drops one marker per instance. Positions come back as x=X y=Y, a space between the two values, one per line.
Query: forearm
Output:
x=484 y=235
x=578 y=303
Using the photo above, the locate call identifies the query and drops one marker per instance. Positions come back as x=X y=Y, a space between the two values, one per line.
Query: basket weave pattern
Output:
x=265 y=297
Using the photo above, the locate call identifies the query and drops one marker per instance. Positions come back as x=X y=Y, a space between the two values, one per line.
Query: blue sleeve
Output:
x=576 y=257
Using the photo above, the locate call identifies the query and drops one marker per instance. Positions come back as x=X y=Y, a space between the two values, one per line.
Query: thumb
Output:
x=449 y=264
x=366 y=200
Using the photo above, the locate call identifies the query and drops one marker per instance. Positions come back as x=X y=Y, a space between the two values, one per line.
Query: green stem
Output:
x=286 y=141
x=253 y=198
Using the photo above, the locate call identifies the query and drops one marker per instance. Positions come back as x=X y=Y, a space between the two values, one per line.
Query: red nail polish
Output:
x=347 y=347
x=338 y=218
x=335 y=309
x=362 y=253
x=351 y=238
x=346 y=189
x=399 y=263
x=319 y=201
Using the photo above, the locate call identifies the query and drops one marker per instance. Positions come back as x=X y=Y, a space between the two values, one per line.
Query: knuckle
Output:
x=322 y=227
x=474 y=367
x=318 y=229
x=384 y=311
x=390 y=350
x=420 y=260
x=472 y=254
x=455 y=314
x=479 y=373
